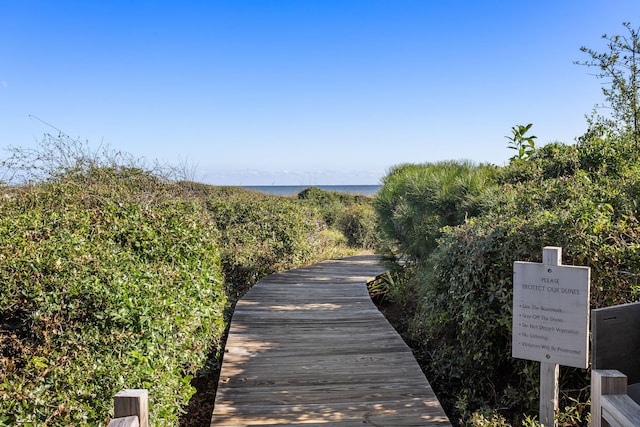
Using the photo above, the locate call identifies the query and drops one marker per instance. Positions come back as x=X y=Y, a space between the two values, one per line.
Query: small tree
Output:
x=524 y=145
x=620 y=68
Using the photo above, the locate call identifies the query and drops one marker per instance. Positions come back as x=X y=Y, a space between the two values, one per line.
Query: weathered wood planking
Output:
x=615 y=339
x=308 y=346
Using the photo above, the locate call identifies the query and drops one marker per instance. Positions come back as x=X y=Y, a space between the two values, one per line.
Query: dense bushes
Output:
x=104 y=287
x=358 y=224
x=416 y=201
x=582 y=198
x=413 y=205
x=261 y=234
x=114 y=277
x=352 y=215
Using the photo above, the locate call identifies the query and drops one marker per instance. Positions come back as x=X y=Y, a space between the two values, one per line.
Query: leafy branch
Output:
x=524 y=145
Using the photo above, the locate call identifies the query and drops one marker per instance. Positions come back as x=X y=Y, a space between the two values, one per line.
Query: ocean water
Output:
x=290 y=190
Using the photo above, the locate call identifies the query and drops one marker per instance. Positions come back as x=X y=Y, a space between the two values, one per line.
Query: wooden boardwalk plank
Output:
x=309 y=347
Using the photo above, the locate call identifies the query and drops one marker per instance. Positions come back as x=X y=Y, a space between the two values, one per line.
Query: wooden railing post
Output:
x=604 y=382
x=132 y=402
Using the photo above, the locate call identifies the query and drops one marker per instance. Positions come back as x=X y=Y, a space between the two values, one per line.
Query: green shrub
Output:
x=465 y=286
x=110 y=281
x=550 y=161
x=262 y=234
x=350 y=214
x=116 y=277
x=416 y=201
x=329 y=203
x=358 y=224
x=331 y=244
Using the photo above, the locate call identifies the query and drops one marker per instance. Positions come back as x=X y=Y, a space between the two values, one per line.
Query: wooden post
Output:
x=132 y=402
x=604 y=382
x=549 y=372
x=131 y=421
x=549 y=392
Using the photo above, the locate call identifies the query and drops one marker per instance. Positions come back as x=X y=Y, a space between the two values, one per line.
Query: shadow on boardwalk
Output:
x=308 y=347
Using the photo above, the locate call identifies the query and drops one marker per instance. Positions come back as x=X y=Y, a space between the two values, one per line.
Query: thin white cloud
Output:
x=4 y=84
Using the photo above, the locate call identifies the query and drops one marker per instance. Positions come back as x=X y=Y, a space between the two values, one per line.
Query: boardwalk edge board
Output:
x=309 y=346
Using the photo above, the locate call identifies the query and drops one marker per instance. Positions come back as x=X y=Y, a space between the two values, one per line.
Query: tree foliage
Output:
x=523 y=144
x=619 y=68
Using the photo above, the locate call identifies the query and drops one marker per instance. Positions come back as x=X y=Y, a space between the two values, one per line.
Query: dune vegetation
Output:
x=115 y=276
x=451 y=232
x=120 y=275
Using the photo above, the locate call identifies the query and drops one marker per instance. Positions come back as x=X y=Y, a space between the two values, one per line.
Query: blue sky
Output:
x=298 y=92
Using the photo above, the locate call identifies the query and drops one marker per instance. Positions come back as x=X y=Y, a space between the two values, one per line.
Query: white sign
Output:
x=551 y=313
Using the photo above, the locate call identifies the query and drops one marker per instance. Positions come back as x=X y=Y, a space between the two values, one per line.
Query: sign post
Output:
x=550 y=321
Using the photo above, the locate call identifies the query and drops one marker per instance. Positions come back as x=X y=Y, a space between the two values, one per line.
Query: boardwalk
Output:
x=308 y=347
